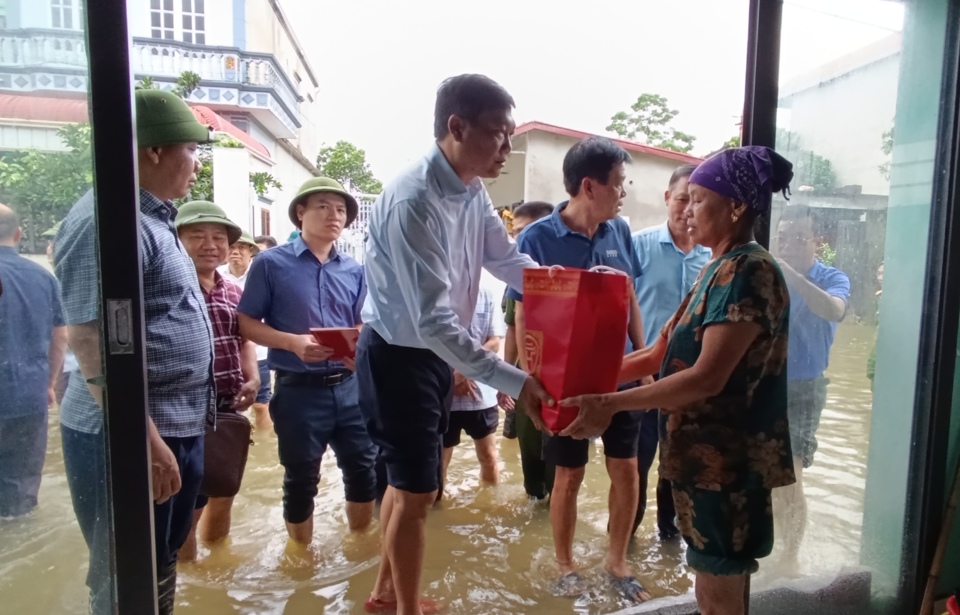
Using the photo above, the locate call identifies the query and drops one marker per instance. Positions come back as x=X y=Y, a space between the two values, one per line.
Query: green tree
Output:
x=347 y=164
x=809 y=168
x=650 y=117
x=263 y=181
x=886 y=145
x=42 y=186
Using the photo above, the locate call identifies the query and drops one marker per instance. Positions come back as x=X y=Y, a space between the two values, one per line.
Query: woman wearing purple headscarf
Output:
x=722 y=392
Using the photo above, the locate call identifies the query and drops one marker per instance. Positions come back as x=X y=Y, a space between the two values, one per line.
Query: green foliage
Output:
x=263 y=181
x=809 y=168
x=347 y=164
x=886 y=146
x=42 y=186
x=187 y=82
x=826 y=254
x=733 y=141
x=650 y=117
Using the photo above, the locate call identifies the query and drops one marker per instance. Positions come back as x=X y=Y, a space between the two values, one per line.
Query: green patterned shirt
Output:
x=738 y=439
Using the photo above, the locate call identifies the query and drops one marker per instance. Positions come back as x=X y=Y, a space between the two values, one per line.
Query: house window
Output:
x=183 y=20
x=194 y=26
x=64 y=14
x=264 y=221
x=161 y=19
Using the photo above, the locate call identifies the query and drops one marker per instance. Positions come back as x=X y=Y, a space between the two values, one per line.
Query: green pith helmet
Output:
x=323 y=184
x=50 y=233
x=164 y=119
x=247 y=239
x=205 y=212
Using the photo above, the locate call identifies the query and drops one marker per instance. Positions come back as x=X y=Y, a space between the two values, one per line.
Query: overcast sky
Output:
x=571 y=64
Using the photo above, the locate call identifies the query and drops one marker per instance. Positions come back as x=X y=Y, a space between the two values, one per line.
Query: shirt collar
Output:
x=562 y=229
x=9 y=250
x=665 y=237
x=449 y=182
x=153 y=206
x=300 y=246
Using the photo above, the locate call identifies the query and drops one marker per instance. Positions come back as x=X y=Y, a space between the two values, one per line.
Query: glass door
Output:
x=75 y=494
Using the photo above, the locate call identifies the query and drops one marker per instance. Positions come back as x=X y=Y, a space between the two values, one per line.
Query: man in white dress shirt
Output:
x=431 y=233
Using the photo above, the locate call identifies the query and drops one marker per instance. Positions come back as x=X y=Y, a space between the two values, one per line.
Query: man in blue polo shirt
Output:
x=585 y=232
x=671 y=263
x=818 y=301
x=302 y=284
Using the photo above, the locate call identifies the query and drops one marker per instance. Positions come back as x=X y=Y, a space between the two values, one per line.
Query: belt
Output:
x=307 y=379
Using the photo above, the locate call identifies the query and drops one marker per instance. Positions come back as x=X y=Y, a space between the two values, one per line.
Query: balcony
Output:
x=33 y=60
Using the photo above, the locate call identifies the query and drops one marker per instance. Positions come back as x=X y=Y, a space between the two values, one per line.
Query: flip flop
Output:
x=375 y=605
x=629 y=587
x=569 y=585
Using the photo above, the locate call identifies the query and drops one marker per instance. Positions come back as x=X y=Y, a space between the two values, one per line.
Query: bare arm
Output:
x=635 y=328
x=644 y=362
x=492 y=344
x=724 y=345
x=248 y=362
x=510 y=350
x=58 y=349
x=520 y=324
x=304 y=346
x=85 y=341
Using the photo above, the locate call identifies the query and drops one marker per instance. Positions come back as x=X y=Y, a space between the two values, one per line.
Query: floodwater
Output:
x=489 y=550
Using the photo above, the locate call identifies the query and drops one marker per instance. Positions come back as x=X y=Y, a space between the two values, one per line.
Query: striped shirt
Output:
x=222 y=302
x=485 y=324
x=179 y=350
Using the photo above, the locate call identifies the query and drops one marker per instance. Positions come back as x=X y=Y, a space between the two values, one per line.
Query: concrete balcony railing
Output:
x=34 y=57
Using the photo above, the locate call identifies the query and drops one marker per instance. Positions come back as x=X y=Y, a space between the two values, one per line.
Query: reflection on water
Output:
x=489 y=550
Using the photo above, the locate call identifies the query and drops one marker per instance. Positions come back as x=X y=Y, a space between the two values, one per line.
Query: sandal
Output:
x=630 y=588
x=375 y=605
x=569 y=585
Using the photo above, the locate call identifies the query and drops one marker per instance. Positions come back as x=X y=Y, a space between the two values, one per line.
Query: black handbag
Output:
x=226 y=445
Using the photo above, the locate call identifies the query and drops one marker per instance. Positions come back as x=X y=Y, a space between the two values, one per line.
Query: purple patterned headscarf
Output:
x=749 y=175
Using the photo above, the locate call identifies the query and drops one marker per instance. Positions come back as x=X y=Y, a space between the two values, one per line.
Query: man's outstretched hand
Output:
x=532 y=397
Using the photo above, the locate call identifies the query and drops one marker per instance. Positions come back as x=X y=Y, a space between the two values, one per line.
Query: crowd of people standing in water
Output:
x=723 y=364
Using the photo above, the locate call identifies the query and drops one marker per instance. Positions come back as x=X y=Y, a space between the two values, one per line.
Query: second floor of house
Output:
x=245 y=52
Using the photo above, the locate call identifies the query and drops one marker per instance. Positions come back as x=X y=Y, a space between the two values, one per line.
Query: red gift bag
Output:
x=576 y=333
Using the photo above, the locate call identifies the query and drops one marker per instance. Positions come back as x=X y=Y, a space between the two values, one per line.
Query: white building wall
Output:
x=218 y=20
x=843 y=120
x=647 y=178
x=231 y=183
x=19 y=135
x=33 y=13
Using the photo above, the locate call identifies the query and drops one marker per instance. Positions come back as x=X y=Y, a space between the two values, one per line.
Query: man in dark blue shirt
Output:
x=584 y=232
x=818 y=301
x=290 y=289
x=33 y=340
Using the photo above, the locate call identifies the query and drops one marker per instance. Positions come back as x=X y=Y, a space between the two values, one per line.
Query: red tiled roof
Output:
x=219 y=123
x=631 y=146
x=48 y=109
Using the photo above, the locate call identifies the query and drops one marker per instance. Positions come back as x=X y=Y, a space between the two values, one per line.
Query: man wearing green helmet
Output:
x=303 y=284
x=179 y=349
x=207 y=234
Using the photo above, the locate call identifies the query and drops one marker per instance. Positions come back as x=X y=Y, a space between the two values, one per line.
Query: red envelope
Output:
x=343 y=341
x=576 y=333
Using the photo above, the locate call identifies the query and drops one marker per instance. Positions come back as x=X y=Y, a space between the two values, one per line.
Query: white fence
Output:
x=354 y=237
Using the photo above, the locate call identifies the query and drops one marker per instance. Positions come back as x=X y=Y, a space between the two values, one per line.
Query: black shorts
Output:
x=477 y=423
x=620 y=441
x=405 y=399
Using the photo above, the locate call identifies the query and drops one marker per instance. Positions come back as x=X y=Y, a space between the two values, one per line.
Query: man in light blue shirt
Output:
x=671 y=263
x=431 y=233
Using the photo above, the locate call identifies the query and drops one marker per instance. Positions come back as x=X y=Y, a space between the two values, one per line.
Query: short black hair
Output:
x=683 y=171
x=9 y=223
x=468 y=96
x=533 y=210
x=594 y=158
x=795 y=213
x=266 y=239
